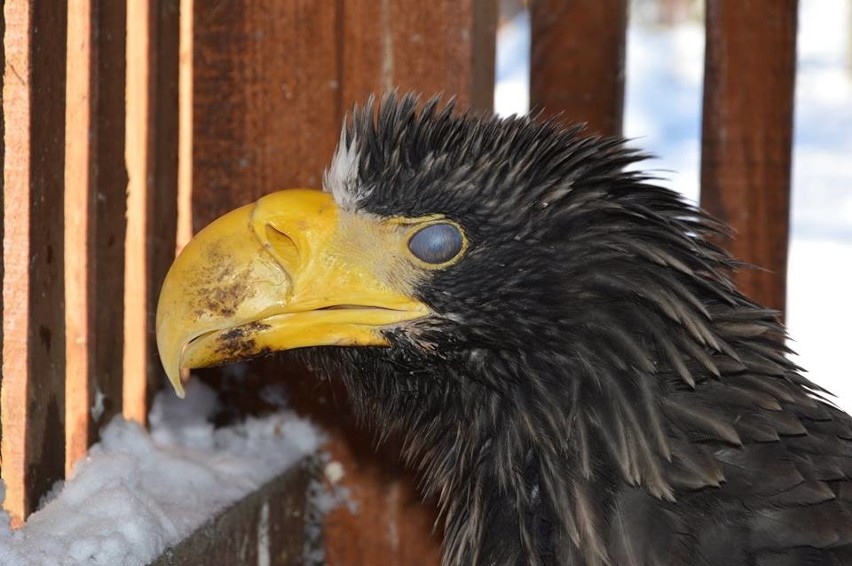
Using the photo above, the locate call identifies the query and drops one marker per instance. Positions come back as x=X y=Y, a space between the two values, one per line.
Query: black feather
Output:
x=591 y=388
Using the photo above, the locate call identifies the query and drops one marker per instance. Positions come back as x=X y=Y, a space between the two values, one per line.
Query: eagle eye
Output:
x=436 y=243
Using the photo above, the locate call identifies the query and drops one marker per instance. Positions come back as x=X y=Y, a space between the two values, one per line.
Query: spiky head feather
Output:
x=591 y=388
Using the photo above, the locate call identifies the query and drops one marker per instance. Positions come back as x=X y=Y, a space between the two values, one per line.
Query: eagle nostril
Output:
x=282 y=247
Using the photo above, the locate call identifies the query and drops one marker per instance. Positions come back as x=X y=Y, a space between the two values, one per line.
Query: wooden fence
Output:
x=126 y=125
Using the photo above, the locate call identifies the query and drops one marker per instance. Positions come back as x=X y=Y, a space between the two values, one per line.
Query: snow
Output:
x=137 y=493
x=664 y=74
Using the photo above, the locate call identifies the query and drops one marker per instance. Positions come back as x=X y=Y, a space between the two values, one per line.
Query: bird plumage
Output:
x=591 y=388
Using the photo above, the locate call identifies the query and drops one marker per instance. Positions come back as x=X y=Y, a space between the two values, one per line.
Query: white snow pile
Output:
x=137 y=493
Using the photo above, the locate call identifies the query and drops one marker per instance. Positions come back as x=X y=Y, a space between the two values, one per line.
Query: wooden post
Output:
x=163 y=166
x=33 y=384
x=431 y=47
x=577 y=61
x=95 y=207
x=272 y=81
x=109 y=208
x=265 y=100
x=747 y=135
x=78 y=233
x=152 y=155
x=2 y=214
x=139 y=94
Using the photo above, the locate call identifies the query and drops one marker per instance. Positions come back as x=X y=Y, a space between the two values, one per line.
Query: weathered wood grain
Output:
x=152 y=138
x=78 y=162
x=109 y=208
x=163 y=167
x=747 y=135
x=33 y=444
x=429 y=47
x=2 y=205
x=577 y=61
x=140 y=69
x=265 y=100
x=94 y=212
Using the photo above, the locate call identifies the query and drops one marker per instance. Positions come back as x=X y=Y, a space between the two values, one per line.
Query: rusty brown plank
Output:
x=109 y=206
x=163 y=154
x=33 y=446
x=45 y=433
x=747 y=135
x=429 y=47
x=271 y=82
x=577 y=61
x=265 y=101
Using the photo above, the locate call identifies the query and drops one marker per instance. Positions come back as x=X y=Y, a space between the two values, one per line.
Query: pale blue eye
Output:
x=436 y=243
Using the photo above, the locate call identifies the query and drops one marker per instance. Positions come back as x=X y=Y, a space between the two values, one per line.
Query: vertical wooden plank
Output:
x=16 y=218
x=186 y=51
x=94 y=213
x=265 y=100
x=109 y=207
x=152 y=146
x=2 y=209
x=747 y=135
x=271 y=82
x=577 y=61
x=33 y=446
x=138 y=94
x=430 y=47
x=95 y=209
x=163 y=163
x=78 y=160
x=45 y=430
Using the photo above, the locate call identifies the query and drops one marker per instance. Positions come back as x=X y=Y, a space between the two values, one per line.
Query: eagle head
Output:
x=552 y=334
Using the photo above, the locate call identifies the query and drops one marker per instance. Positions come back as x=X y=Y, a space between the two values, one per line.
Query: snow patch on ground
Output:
x=137 y=493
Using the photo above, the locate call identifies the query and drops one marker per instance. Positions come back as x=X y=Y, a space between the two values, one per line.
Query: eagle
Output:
x=556 y=339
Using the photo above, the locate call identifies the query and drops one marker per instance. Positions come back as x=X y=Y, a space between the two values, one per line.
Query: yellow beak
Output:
x=275 y=275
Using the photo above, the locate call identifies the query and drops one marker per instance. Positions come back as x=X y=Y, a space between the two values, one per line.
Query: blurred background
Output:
x=664 y=73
